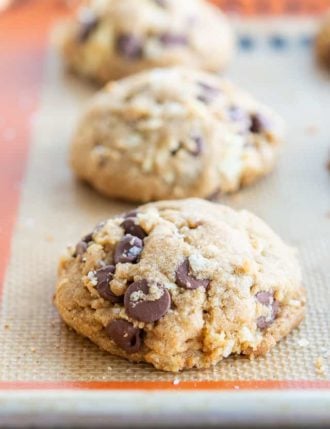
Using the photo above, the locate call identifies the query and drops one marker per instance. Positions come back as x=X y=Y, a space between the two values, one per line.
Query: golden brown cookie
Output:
x=109 y=39
x=322 y=44
x=181 y=284
x=174 y=133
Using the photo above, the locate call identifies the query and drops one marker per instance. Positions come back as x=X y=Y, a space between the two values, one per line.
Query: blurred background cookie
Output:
x=109 y=39
x=322 y=44
x=173 y=133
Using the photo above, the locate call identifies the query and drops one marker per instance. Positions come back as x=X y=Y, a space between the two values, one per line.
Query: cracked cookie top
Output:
x=174 y=133
x=109 y=39
x=181 y=284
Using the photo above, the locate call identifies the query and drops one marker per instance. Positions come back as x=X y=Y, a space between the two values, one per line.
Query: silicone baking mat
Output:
x=43 y=208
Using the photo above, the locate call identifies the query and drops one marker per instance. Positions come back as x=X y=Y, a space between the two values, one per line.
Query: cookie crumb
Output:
x=302 y=342
x=295 y=303
x=319 y=365
x=155 y=293
x=325 y=351
x=49 y=237
x=92 y=277
x=33 y=349
x=6 y=326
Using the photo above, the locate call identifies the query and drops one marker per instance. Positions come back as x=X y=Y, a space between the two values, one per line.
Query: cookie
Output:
x=173 y=133
x=322 y=43
x=110 y=39
x=181 y=284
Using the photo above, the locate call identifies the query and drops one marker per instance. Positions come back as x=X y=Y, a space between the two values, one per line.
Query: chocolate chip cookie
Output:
x=111 y=39
x=322 y=44
x=174 y=133
x=181 y=284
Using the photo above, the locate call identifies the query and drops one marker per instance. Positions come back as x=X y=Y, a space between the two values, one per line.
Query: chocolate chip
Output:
x=146 y=303
x=177 y=149
x=208 y=94
x=87 y=238
x=275 y=309
x=132 y=213
x=130 y=227
x=199 y=145
x=185 y=279
x=265 y=298
x=88 y=22
x=203 y=99
x=99 y=226
x=262 y=323
x=128 y=249
x=215 y=195
x=209 y=88
x=129 y=46
x=104 y=276
x=237 y=114
x=161 y=3
x=125 y=335
x=173 y=39
x=258 y=124
x=82 y=246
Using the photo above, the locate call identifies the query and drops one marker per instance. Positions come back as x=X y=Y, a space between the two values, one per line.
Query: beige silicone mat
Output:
x=56 y=210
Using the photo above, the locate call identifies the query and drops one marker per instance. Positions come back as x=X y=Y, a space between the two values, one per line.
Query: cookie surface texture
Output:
x=204 y=282
x=174 y=133
x=110 y=39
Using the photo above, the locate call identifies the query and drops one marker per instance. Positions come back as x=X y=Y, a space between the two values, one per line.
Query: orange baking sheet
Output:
x=23 y=46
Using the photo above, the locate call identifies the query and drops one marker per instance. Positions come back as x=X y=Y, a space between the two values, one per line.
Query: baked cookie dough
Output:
x=173 y=133
x=322 y=44
x=110 y=39
x=181 y=284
